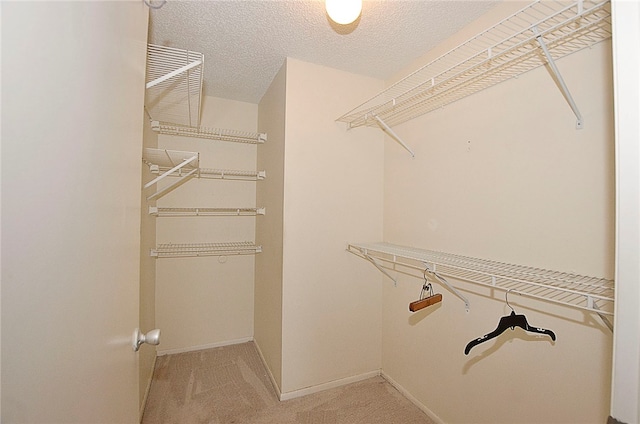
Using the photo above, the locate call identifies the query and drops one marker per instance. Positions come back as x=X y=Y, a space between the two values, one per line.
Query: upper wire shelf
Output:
x=510 y=48
x=174 y=84
x=588 y=293
x=209 y=133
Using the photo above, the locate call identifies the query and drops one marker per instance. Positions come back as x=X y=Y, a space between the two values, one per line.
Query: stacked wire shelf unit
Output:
x=577 y=291
x=534 y=36
x=184 y=165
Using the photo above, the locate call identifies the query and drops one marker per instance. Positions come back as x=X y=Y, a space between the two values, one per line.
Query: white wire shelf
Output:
x=577 y=291
x=174 y=84
x=228 y=174
x=510 y=48
x=177 y=212
x=209 y=133
x=185 y=250
x=185 y=165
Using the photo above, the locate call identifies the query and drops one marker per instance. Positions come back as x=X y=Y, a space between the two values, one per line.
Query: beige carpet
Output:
x=230 y=385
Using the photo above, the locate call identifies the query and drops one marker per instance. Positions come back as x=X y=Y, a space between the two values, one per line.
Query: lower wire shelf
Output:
x=185 y=250
x=587 y=293
x=161 y=212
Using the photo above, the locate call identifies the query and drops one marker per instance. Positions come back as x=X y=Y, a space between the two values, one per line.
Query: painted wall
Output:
x=206 y=301
x=269 y=228
x=332 y=195
x=504 y=175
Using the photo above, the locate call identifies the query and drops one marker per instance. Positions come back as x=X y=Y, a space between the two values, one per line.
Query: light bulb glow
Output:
x=343 y=11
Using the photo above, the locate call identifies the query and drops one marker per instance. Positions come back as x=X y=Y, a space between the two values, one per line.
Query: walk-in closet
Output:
x=451 y=237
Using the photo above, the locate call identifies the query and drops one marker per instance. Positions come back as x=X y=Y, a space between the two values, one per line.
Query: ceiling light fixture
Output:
x=343 y=11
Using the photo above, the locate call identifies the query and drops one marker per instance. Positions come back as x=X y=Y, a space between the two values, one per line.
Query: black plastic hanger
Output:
x=510 y=321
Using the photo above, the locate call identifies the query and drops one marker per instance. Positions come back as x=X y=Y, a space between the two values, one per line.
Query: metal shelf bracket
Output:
x=558 y=78
x=387 y=129
x=443 y=281
x=380 y=268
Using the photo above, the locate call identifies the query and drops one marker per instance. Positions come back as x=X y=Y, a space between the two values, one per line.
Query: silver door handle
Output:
x=152 y=338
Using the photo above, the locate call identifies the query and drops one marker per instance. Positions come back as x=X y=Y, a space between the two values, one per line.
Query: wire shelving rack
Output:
x=534 y=36
x=184 y=250
x=591 y=294
x=174 y=84
x=220 y=134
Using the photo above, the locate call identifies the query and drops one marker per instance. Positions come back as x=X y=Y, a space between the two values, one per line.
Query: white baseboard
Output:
x=413 y=400
x=329 y=385
x=202 y=347
x=313 y=389
x=274 y=383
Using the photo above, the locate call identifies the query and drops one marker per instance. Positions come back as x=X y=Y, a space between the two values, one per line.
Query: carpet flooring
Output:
x=230 y=385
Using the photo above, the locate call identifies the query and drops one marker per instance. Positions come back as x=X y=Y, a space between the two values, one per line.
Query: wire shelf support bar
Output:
x=393 y=135
x=173 y=73
x=169 y=163
x=378 y=265
x=444 y=282
x=558 y=78
x=172 y=170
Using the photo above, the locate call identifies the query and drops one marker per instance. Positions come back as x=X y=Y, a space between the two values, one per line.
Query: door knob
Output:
x=152 y=338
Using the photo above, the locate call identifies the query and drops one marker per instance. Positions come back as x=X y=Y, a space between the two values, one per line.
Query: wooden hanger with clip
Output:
x=432 y=299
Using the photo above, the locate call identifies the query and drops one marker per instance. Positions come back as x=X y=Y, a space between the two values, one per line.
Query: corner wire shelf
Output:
x=174 y=84
x=185 y=165
x=186 y=250
x=534 y=36
x=177 y=212
x=209 y=133
x=587 y=293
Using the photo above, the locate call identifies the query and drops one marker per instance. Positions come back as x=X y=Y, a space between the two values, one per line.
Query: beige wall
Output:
x=332 y=195
x=317 y=316
x=504 y=175
x=206 y=301
x=269 y=229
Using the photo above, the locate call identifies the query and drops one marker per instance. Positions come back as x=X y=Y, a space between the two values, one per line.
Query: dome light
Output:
x=343 y=11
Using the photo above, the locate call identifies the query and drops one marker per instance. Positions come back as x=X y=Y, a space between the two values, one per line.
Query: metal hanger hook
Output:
x=506 y=299
x=426 y=286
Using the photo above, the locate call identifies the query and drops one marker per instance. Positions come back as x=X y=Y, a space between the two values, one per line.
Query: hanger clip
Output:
x=425 y=301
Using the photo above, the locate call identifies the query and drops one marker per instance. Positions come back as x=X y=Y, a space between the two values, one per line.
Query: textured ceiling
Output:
x=245 y=42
